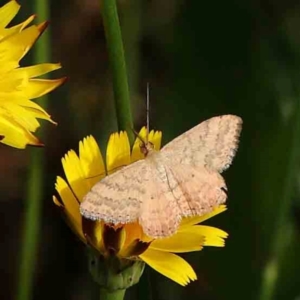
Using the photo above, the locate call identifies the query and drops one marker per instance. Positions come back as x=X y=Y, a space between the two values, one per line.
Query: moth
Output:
x=181 y=180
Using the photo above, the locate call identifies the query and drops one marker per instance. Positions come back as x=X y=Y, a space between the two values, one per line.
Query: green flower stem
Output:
x=114 y=275
x=35 y=188
x=272 y=267
x=118 y=66
x=109 y=295
x=131 y=15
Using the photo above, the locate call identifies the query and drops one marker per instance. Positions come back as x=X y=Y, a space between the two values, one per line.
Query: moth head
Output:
x=146 y=147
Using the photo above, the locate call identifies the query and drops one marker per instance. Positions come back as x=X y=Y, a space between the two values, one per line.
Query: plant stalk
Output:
x=35 y=184
x=118 y=66
x=109 y=295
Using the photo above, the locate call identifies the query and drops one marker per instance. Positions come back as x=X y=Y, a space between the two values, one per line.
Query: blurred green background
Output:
x=201 y=59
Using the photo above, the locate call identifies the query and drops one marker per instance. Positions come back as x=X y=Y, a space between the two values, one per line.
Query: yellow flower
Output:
x=18 y=114
x=128 y=240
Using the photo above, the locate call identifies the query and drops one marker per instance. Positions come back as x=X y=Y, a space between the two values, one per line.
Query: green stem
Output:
x=114 y=275
x=130 y=16
x=118 y=66
x=272 y=267
x=109 y=295
x=35 y=188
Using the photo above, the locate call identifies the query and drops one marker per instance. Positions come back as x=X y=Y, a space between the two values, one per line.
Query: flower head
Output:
x=128 y=241
x=18 y=114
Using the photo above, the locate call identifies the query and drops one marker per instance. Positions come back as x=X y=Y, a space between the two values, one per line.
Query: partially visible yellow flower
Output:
x=18 y=114
x=128 y=240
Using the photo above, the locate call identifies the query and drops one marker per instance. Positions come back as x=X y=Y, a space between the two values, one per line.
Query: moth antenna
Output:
x=138 y=136
x=148 y=111
x=97 y=175
x=105 y=173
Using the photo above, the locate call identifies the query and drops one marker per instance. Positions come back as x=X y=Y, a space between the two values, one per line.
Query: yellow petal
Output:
x=212 y=236
x=36 y=113
x=143 y=134
x=199 y=219
x=118 y=151
x=155 y=138
x=25 y=118
x=14 y=134
x=18 y=115
x=98 y=234
x=75 y=175
x=71 y=223
x=38 y=70
x=8 y=12
x=136 y=241
x=13 y=82
x=17 y=28
x=39 y=87
x=71 y=205
x=17 y=99
x=57 y=202
x=133 y=231
x=181 y=242
x=169 y=265
x=136 y=153
x=134 y=249
x=93 y=233
x=7 y=66
x=14 y=47
x=42 y=26
x=91 y=160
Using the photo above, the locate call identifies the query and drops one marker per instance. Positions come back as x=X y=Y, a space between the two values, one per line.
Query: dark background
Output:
x=202 y=58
